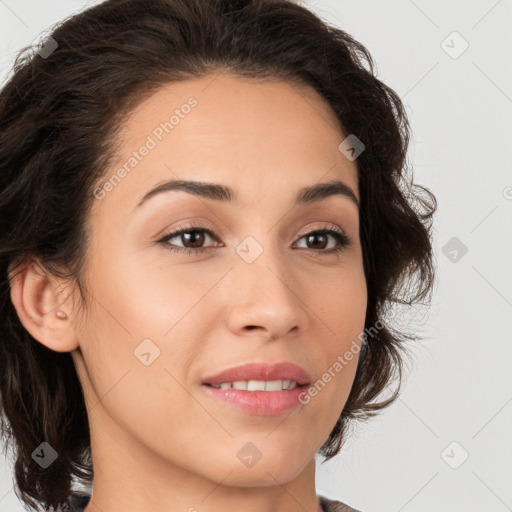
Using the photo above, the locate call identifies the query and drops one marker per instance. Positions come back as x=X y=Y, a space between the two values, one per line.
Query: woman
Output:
x=203 y=226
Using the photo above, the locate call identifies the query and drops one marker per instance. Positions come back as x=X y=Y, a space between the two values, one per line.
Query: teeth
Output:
x=271 y=385
x=258 y=385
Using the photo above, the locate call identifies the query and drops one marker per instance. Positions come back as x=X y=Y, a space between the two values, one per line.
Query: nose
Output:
x=264 y=297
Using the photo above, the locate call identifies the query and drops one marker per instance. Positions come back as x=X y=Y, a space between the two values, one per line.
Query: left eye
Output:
x=195 y=236
x=323 y=235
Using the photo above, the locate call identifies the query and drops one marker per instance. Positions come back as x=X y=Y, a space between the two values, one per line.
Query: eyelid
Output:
x=327 y=225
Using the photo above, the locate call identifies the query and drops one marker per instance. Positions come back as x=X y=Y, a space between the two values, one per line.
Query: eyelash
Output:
x=342 y=239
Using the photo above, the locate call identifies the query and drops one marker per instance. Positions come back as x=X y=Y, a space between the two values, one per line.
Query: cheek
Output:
x=340 y=309
x=133 y=298
x=339 y=301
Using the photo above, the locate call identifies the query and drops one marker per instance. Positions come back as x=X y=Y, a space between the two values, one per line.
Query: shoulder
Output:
x=330 y=505
x=75 y=502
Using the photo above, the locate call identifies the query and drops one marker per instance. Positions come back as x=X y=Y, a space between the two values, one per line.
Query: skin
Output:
x=158 y=442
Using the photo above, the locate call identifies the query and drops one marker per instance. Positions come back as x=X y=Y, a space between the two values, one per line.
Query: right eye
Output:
x=195 y=235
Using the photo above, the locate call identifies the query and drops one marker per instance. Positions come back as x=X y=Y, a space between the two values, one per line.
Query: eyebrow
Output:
x=224 y=193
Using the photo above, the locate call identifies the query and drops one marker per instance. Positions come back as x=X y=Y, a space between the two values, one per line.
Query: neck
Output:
x=129 y=475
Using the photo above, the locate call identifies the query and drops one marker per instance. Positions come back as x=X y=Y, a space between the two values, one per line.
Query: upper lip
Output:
x=261 y=371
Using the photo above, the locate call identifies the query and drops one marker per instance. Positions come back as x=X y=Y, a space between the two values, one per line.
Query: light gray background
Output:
x=459 y=389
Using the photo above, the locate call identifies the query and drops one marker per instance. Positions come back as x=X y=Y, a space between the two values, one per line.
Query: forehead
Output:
x=260 y=136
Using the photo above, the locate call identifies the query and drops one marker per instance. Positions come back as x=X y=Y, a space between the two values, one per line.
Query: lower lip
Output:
x=263 y=403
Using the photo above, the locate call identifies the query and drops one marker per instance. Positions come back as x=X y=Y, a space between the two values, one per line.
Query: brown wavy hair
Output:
x=59 y=114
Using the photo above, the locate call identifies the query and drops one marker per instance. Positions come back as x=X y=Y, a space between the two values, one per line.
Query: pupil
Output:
x=192 y=234
x=317 y=235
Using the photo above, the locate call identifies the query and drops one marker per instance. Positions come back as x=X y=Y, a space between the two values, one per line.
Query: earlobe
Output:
x=33 y=294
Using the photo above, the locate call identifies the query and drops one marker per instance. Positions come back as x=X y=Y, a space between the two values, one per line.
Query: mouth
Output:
x=259 y=388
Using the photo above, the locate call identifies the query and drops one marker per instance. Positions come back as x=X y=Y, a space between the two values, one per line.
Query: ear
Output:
x=34 y=295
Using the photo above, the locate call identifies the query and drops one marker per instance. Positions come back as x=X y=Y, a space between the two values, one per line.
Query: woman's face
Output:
x=165 y=315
